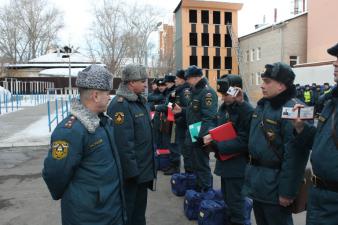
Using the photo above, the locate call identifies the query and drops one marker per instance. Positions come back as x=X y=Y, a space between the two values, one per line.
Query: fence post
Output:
x=56 y=111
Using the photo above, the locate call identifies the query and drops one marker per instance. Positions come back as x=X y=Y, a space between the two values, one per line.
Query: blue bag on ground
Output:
x=248 y=209
x=181 y=182
x=212 y=212
x=193 y=199
x=162 y=158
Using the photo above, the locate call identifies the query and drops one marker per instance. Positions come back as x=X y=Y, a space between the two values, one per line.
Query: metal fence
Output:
x=13 y=102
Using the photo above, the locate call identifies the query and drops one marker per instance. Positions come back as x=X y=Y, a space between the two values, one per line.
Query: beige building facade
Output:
x=166 y=51
x=322 y=29
x=202 y=37
x=282 y=42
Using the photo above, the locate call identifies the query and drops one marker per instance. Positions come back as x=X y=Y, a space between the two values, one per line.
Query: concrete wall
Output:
x=314 y=74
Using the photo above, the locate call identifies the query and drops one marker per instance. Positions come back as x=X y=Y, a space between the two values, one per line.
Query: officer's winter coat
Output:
x=266 y=184
x=134 y=135
x=203 y=107
x=322 y=204
x=83 y=170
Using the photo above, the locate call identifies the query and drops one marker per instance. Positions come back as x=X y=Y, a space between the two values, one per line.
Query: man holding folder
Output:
x=230 y=167
x=203 y=109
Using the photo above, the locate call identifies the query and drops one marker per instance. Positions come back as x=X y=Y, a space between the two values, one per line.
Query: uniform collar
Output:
x=128 y=94
x=181 y=87
x=90 y=120
x=279 y=100
x=201 y=84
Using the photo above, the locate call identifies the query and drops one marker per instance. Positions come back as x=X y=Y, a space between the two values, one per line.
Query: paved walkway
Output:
x=17 y=121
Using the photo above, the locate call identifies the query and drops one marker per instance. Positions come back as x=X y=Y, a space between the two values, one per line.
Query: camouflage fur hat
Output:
x=95 y=77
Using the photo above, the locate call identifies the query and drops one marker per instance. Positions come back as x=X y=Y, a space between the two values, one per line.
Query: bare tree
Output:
x=28 y=28
x=120 y=33
x=109 y=35
x=143 y=20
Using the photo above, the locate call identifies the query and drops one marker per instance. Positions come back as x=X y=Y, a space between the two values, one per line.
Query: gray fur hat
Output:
x=95 y=77
x=134 y=72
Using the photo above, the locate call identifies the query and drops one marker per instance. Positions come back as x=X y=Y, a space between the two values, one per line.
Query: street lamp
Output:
x=68 y=51
x=146 y=40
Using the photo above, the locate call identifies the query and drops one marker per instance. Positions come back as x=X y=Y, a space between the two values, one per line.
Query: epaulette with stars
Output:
x=70 y=122
x=120 y=99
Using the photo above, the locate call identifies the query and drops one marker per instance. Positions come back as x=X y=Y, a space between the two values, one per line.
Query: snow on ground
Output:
x=35 y=134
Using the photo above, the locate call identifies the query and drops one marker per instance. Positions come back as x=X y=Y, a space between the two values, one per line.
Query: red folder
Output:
x=170 y=116
x=152 y=113
x=162 y=152
x=224 y=132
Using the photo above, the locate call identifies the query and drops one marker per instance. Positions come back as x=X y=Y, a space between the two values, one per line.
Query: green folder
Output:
x=194 y=130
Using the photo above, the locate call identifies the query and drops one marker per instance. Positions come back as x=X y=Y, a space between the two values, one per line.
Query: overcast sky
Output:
x=78 y=15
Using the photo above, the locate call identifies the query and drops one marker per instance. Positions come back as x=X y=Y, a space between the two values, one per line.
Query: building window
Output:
x=205 y=62
x=205 y=16
x=205 y=39
x=228 y=42
x=217 y=17
x=217 y=40
x=228 y=18
x=193 y=16
x=193 y=60
x=217 y=62
x=258 y=78
x=252 y=80
x=252 y=55
x=193 y=39
x=228 y=63
x=247 y=56
x=294 y=60
x=259 y=54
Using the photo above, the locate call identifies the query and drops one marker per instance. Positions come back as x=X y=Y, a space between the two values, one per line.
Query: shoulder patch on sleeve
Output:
x=60 y=149
x=119 y=118
x=208 y=99
x=70 y=122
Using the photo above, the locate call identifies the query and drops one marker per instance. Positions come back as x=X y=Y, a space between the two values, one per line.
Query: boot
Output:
x=172 y=170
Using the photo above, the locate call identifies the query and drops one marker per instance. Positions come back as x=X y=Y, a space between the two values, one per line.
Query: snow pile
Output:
x=4 y=92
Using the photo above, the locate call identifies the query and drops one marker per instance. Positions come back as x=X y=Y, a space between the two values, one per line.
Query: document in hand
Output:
x=224 y=132
x=194 y=130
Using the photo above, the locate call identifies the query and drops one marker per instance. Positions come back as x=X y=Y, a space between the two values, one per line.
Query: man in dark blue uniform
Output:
x=82 y=167
x=157 y=97
x=180 y=96
x=322 y=207
x=276 y=169
x=134 y=140
x=231 y=170
x=168 y=127
x=202 y=108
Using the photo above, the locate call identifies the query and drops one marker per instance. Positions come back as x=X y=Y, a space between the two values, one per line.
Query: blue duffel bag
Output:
x=181 y=182
x=162 y=158
x=193 y=199
x=212 y=212
x=248 y=209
